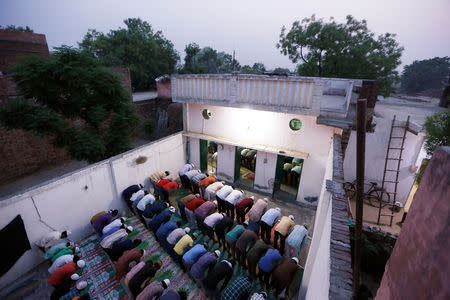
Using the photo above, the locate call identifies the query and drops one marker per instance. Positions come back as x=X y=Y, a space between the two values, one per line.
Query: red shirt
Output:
x=62 y=274
x=194 y=204
x=244 y=203
x=161 y=183
x=170 y=185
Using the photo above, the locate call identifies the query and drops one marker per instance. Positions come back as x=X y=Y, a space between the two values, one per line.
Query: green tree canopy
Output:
x=437 y=129
x=207 y=60
x=69 y=97
x=281 y=70
x=426 y=74
x=147 y=53
x=346 y=50
x=257 y=68
x=17 y=28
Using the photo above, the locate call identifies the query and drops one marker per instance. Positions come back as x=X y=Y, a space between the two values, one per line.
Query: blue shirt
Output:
x=193 y=254
x=297 y=237
x=109 y=232
x=268 y=261
x=159 y=219
x=154 y=209
x=207 y=260
x=72 y=294
x=164 y=230
x=271 y=216
x=120 y=248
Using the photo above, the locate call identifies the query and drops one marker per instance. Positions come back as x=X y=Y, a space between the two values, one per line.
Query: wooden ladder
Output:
x=393 y=153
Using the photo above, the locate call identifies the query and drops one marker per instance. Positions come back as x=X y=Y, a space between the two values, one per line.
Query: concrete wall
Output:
x=376 y=146
x=269 y=129
x=418 y=266
x=69 y=202
x=315 y=283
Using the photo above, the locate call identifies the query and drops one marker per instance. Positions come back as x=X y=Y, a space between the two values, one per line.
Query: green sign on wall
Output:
x=295 y=124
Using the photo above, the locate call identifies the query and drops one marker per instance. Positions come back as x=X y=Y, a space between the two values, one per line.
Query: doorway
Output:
x=208 y=157
x=244 y=166
x=287 y=177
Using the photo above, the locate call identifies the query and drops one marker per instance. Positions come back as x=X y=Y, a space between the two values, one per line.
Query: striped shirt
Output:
x=239 y=289
x=115 y=237
x=157 y=176
x=197 y=178
x=234 y=197
x=192 y=173
x=224 y=192
x=184 y=169
x=298 y=236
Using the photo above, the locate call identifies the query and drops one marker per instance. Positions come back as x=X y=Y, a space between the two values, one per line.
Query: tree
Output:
x=437 y=129
x=257 y=68
x=281 y=70
x=147 y=53
x=17 y=28
x=426 y=74
x=347 y=50
x=207 y=60
x=82 y=106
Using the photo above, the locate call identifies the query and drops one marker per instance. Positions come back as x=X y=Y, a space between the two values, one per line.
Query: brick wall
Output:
x=419 y=266
x=164 y=87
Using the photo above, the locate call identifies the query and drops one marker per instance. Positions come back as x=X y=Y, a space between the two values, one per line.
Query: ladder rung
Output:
x=395 y=148
x=393 y=171
x=396 y=137
x=391 y=181
x=395 y=159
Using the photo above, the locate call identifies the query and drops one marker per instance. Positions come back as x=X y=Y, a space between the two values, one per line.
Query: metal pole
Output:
x=360 y=161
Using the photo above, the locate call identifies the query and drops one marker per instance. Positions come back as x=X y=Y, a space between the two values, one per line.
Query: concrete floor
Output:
x=302 y=215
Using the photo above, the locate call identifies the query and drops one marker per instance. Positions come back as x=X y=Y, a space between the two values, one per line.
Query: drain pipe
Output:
x=360 y=161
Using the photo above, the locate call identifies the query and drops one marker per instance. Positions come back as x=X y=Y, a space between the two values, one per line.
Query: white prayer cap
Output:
x=187 y=230
x=144 y=252
x=81 y=285
x=215 y=202
x=223 y=182
x=296 y=259
x=246 y=223
x=75 y=276
x=166 y=281
x=77 y=249
x=172 y=209
x=81 y=263
x=193 y=165
x=130 y=228
x=197 y=195
x=217 y=252
x=253 y=197
x=277 y=208
x=292 y=217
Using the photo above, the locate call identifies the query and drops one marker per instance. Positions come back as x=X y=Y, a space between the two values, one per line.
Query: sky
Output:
x=249 y=27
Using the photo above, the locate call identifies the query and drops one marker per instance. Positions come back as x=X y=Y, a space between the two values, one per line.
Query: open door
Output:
x=287 y=177
x=244 y=168
x=203 y=155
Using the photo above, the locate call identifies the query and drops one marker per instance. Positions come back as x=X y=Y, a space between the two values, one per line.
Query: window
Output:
x=295 y=124
x=206 y=113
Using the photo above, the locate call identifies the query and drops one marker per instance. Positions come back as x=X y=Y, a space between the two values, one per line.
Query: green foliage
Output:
x=147 y=53
x=257 y=68
x=72 y=99
x=426 y=74
x=17 y=28
x=281 y=70
x=437 y=129
x=346 y=50
x=207 y=60
x=149 y=127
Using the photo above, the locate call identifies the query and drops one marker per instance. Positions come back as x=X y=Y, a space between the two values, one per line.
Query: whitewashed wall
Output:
x=194 y=152
x=376 y=146
x=271 y=129
x=316 y=276
x=225 y=162
x=265 y=171
x=66 y=204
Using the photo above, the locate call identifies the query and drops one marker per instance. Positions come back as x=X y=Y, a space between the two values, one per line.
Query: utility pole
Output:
x=360 y=163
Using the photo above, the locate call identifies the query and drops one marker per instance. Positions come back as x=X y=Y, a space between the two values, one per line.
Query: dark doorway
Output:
x=287 y=177
x=244 y=166
x=208 y=157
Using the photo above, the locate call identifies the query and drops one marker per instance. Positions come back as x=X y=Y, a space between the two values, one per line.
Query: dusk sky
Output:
x=252 y=28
